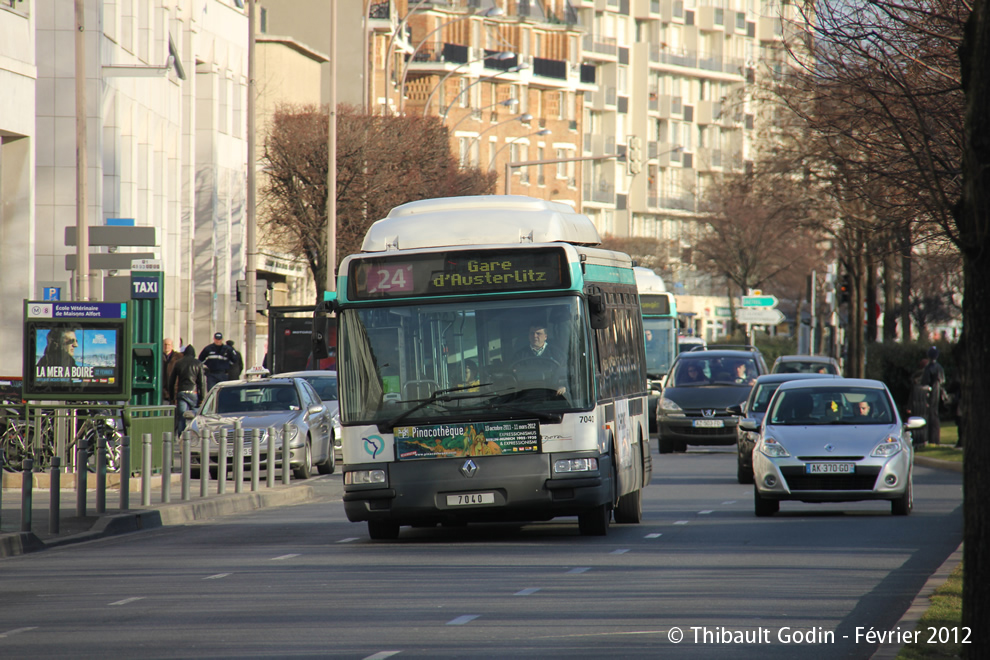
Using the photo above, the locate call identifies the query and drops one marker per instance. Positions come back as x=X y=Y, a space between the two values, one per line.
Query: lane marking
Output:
x=349 y=540
x=575 y=571
x=527 y=592
x=682 y=522
x=17 y=630
x=704 y=513
x=284 y=557
x=729 y=502
x=655 y=535
x=217 y=576
x=128 y=600
x=381 y=655
x=620 y=551
x=461 y=620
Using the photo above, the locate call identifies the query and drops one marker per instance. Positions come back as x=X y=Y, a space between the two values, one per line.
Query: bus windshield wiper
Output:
x=443 y=395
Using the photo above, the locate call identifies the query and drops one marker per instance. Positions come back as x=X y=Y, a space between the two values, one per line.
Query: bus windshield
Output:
x=439 y=361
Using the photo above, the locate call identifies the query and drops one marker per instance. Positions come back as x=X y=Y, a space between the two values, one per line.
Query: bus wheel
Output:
x=630 y=508
x=380 y=530
x=594 y=522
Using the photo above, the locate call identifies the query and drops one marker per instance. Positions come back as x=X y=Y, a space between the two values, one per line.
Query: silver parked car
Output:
x=325 y=383
x=833 y=440
x=806 y=364
x=264 y=403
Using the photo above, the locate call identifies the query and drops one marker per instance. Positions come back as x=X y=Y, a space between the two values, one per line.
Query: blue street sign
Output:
x=52 y=293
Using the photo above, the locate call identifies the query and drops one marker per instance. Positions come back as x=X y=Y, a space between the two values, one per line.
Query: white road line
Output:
x=682 y=522
x=728 y=502
x=284 y=557
x=704 y=513
x=381 y=655
x=128 y=600
x=620 y=551
x=527 y=592
x=461 y=620
x=4 y=635
x=349 y=540
x=575 y=571
x=217 y=576
x=655 y=535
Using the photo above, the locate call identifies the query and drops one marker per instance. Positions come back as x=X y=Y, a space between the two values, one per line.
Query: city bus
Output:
x=491 y=368
x=660 y=330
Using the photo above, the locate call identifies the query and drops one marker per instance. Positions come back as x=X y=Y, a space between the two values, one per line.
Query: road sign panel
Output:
x=760 y=315
x=759 y=301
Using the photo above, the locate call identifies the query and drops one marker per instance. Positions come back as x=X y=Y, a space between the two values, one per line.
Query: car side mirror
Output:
x=316 y=410
x=748 y=424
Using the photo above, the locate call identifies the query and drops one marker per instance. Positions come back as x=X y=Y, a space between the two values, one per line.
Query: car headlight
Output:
x=576 y=465
x=889 y=447
x=772 y=448
x=668 y=406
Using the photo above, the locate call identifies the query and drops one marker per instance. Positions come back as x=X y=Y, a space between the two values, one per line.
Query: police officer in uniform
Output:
x=217 y=360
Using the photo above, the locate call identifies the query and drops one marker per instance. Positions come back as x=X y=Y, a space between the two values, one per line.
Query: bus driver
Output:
x=540 y=356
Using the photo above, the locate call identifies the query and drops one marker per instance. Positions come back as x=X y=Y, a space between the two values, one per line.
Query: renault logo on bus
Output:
x=469 y=468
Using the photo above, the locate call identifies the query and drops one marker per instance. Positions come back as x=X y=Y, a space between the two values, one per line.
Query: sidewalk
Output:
x=75 y=529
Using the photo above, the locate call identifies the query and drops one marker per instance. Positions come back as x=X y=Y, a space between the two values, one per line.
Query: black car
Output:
x=754 y=408
x=698 y=393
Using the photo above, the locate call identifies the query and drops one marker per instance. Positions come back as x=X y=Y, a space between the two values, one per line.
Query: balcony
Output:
x=599 y=45
x=603 y=193
x=708 y=112
x=380 y=10
x=550 y=68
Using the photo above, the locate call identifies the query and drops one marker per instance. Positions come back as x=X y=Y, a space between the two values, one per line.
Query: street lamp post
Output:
x=524 y=118
x=547 y=161
x=515 y=69
x=542 y=132
x=508 y=103
x=491 y=11
x=500 y=56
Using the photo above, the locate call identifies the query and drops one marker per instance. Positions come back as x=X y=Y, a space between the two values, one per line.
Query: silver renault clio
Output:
x=833 y=440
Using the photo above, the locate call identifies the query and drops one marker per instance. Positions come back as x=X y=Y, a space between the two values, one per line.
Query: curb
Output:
x=176 y=513
x=939 y=464
x=921 y=602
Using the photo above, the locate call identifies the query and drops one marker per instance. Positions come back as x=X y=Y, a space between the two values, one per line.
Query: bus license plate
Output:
x=830 y=468
x=467 y=499
x=708 y=423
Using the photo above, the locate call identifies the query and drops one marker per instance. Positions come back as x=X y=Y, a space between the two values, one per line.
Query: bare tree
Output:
x=382 y=161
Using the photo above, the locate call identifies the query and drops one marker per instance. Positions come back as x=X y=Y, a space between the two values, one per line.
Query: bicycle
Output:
x=17 y=441
x=98 y=425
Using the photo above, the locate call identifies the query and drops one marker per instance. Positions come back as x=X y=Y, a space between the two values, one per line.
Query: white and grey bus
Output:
x=491 y=368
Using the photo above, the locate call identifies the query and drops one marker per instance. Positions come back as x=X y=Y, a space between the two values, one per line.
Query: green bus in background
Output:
x=660 y=332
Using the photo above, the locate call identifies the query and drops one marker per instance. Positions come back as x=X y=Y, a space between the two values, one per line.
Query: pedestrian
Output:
x=934 y=377
x=170 y=358
x=187 y=386
x=216 y=359
x=236 y=362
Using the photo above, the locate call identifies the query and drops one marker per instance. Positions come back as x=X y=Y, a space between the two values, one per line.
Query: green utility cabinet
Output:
x=155 y=420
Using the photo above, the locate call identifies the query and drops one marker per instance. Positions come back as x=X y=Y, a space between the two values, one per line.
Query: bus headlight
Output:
x=364 y=477
x=576 y=465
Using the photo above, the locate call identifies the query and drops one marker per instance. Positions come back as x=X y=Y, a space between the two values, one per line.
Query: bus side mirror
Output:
x=323 y=326
x=596 y=308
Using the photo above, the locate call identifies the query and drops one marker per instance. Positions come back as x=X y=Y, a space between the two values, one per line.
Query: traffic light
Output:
x=634 y=155
x=845 y=288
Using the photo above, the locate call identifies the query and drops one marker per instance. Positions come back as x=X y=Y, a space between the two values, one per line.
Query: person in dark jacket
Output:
x=217 y=359
x=933 y=377
x=170 y=358
x=236 y=362
x=187 y=386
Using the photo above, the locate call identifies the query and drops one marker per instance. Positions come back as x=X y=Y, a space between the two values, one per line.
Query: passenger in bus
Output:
x=538 y=349
x=470 y=380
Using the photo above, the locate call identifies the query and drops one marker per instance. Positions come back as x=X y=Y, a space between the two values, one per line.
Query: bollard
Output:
x=3 y=466
x=55 y=496
x=255 y=460
x=101 y=475
x=222 y=463
x=27 y=493
x=125 y=472
x=286 y=454
x=186 y=464
x=204 y=464
x=145 y=469
x=238 y=457
x=166 y=467
x=82 y=473
x=270 y=470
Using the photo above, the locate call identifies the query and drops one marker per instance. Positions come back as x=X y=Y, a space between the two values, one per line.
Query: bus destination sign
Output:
x=457 y=273
x=654 y=304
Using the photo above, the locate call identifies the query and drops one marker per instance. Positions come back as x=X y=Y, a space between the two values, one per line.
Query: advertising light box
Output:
x=76 y=351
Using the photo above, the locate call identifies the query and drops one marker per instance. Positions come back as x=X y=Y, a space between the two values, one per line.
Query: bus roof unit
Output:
x=648 y=282
x=479 y=219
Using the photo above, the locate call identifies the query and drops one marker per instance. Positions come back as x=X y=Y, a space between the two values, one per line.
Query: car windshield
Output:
x=252 y=397
x=472 y=358
x=762 y=394
x=852 y=405
x=805 y=367
x=721 y=370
